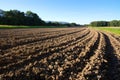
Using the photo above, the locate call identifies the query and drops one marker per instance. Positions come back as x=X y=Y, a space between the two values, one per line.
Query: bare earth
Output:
x=59 y=54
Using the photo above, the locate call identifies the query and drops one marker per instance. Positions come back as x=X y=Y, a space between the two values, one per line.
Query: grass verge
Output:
x=114 y=30
x=15 y=27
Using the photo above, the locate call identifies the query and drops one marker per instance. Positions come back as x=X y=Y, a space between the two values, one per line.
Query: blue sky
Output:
x=79 y=11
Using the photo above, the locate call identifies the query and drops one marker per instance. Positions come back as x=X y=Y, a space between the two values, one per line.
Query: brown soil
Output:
x=59 y=54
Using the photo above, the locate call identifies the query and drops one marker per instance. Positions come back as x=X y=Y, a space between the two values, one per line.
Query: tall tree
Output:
x=114 y=23
x=33 y=19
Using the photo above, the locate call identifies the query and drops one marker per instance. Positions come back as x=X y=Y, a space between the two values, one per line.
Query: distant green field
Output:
x=12 y=27
x=115 y=30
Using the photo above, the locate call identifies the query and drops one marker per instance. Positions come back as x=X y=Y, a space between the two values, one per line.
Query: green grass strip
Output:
x=15 y=27
x=114 y=30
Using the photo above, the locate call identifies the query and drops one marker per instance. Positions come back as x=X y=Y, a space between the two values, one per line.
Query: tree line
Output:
x=114 y=23
x=29 y=18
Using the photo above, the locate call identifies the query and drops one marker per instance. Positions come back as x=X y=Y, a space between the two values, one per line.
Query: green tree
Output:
x=33 y=19
x=99 y=23
x=114 y=23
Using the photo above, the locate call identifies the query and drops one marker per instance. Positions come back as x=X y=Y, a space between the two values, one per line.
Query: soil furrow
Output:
x=112 y=60
x=21 y=63
x=91 y=69
x=59 y=53
x=83 y=58
x=35 y=40
x=32 y=44
x=50 y=48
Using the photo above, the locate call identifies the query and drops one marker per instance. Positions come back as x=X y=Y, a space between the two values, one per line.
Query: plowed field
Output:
x=59 y=54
